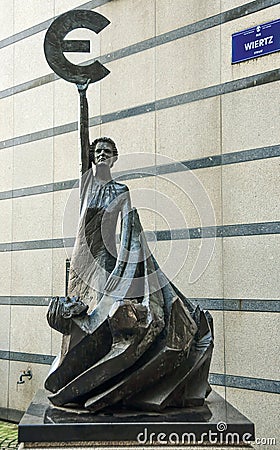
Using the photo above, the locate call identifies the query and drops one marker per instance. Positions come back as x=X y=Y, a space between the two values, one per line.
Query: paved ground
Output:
x=8 y=435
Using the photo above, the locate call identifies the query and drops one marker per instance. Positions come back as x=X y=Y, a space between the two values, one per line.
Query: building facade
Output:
x=198 y=140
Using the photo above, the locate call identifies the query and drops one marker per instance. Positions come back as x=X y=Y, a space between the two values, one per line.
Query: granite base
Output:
x=216 y=424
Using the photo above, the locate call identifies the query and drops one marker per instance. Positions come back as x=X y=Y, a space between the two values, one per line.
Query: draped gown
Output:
x=95 y=254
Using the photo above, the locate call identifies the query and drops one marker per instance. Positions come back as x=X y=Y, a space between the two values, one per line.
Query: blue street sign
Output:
x=256 y=41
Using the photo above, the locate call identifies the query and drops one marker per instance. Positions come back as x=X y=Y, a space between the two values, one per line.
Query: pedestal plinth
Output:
x=217 y=424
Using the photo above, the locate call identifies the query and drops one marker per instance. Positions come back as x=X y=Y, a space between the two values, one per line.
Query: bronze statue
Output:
x=130 y=336
x=102 y=200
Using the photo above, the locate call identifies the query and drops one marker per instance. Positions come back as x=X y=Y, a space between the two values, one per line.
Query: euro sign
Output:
x=55 y=46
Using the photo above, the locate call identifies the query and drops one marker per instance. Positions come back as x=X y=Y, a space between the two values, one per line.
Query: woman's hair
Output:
x=94 y=144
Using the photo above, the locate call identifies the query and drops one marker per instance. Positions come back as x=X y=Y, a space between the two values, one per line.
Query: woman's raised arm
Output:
x=84 y=126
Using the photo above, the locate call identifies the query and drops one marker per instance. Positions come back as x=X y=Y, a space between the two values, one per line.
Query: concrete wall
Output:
x=173 y=95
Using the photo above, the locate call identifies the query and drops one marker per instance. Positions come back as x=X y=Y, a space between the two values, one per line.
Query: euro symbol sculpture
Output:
x=55 y=46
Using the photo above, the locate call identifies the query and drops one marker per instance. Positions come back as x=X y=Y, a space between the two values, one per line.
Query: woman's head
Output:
x=103 y=150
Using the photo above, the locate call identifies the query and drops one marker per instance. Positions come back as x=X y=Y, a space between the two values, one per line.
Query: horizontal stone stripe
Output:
x=188 y=233
x=240 y=305
x=143 y=172
x=147 y=44
x=26 y=357
x=37 y=244
x=254 y=384
x=221 y=231
x=257 y=384
x=248 y=229
x=44 y=25
x=25 y=300
x=251 y=229
x=169 y=102
x=40 y=81
x=219 y=89
x=203 y=163
x=213 y=304
x=40 y=189
x=38 y=135
x=255 y=154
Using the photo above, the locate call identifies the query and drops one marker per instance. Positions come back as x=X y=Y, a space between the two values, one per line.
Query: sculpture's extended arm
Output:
x=84 y=128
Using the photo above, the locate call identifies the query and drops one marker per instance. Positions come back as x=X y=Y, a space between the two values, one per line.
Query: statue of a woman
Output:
x=130 y=336
x=102 y=201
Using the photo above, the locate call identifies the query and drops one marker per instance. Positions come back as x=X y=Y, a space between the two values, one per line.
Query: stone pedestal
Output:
x=215 y=425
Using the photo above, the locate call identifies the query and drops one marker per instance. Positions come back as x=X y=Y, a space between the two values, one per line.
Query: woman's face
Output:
x=104 y=153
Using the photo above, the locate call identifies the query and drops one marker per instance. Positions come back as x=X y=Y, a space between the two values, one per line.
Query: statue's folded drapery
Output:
x=141 y=345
